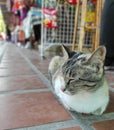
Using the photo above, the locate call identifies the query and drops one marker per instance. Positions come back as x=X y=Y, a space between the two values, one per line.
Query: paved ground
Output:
x=27 y=102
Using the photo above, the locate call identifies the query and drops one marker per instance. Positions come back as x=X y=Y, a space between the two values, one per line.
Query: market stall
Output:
x=75 y=23
x=25 y=19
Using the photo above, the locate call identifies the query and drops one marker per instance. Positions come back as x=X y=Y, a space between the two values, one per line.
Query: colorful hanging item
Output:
x=50 y=17
x=19 y=9
x=90 y=15
x=71 y=1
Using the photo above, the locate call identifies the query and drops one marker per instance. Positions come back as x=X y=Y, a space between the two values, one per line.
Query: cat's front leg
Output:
x=100 y=110
x=67 y=106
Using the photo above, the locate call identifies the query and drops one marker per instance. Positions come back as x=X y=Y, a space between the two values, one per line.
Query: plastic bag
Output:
x=50 y=17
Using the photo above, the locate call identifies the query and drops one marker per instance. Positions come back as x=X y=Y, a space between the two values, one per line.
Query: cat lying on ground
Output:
x=78 y=80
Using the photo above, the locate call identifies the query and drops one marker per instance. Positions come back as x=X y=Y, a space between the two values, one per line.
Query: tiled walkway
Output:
x=27 y=102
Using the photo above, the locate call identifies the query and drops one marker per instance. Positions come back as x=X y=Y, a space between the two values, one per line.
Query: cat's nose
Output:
x=63 y=89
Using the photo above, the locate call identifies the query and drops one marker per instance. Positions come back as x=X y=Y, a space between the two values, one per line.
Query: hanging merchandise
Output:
x=50 y=17
x=15 y=8
x=90 y=15
x=19 y=9
x=71 y=1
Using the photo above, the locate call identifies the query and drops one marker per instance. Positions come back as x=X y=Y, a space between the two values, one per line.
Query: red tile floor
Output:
x=26 y=99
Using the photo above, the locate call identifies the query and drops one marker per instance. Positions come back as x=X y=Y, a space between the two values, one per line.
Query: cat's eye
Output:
x=69 y=80
x=97 y=68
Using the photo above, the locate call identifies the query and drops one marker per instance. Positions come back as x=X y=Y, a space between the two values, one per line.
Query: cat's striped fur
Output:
x=78 y=79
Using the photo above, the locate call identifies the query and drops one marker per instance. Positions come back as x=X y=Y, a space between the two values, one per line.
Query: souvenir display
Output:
x=50 y=17
x=90 y=14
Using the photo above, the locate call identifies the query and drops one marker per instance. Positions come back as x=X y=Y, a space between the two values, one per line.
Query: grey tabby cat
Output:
x=78 y=80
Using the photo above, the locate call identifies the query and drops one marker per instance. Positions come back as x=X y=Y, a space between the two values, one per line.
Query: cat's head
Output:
x=83 y=72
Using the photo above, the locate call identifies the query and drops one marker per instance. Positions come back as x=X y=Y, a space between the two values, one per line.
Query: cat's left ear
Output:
x=100 y=53
x=67 y=53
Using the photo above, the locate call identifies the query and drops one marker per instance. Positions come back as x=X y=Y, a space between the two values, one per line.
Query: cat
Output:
x=78 y=79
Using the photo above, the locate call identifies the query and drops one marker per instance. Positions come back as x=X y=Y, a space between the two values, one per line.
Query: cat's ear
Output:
x=100 y=53
x=67 y=53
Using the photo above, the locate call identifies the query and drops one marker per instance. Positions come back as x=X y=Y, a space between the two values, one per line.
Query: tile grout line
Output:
x=85 y=124
x=39 y=74
x=52 y=126
x=16 y=75
x=62 y=124
x=82 y=122
x=104 y=117
x=2 y=51
x=24 y=91
x=45 y=80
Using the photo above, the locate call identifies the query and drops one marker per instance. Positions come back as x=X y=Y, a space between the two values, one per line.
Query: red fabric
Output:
x=72 y=1
x=15 y=6
x=21 y=36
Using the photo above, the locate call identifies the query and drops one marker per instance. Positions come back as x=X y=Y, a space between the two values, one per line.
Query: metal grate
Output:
x=64 y=33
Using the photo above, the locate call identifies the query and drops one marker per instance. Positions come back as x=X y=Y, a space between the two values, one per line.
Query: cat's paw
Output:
x=99 y=111
x=67 y=107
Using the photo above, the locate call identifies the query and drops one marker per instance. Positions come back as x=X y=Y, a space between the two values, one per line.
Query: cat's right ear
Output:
x=67 y=53
x=99 y=53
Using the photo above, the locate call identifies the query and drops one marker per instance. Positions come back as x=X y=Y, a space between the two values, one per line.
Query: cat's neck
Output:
x=101 y=83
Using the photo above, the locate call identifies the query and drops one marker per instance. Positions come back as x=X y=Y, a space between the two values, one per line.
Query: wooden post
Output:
x=98 y=20
x=102 y=3
x=93 y=40
x=82 y=28
x=75 y=25
x=94 y=34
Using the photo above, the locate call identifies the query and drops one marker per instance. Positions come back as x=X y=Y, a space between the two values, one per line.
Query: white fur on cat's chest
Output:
x=84 y=102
